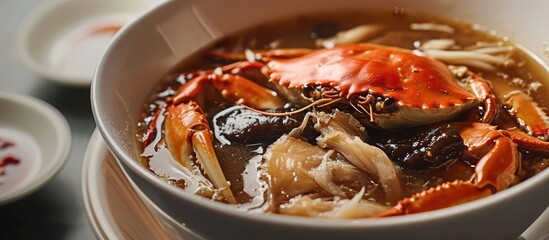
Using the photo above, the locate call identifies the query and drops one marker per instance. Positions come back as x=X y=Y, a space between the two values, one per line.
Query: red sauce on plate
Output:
x=6 y=160
x=20 y=159
x=79 y=51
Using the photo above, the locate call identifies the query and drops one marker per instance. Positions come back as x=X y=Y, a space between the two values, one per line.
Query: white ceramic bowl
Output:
x=63 y=40
x=155 y=43
x=43 y=135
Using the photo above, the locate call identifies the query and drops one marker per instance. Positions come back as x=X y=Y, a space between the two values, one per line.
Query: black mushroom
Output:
x=426 y=148
x=240 y=125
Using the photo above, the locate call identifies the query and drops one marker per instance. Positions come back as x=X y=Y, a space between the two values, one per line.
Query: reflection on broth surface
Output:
x=350 y=115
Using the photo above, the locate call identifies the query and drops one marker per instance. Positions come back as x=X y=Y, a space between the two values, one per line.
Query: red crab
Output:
x=386 y=86
x=495 y=170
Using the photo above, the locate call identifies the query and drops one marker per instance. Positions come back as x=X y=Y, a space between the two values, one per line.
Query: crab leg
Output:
x=188 y=136
x=151 y=131
x=526 y=141
x=521 y=106
x=233 y=87
x=494 y=172
x=339 y=131
x=496 y=169
x=528 y=114
x=480 y=88
x=442 y=196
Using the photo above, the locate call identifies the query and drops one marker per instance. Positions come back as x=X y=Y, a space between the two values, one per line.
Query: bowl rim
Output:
x=278 y=219
x=62 y=146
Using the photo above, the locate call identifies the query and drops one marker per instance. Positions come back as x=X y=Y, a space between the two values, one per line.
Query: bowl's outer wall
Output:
x=148 y=48
x=504 y=220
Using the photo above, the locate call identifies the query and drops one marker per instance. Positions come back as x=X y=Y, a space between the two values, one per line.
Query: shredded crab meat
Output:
x=485 y=56
x=469 y=58
x=493 y=50
x=341 y=132
x=364 y=156
x=431 y=27
x=440 y=44
x=330 y=170
x=287 y=162
x=357 y=34
x=293 y=167
x=336 y=208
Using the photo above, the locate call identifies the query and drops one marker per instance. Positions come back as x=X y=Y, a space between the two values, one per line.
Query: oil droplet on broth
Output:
x=79 y=51
x=23 y=148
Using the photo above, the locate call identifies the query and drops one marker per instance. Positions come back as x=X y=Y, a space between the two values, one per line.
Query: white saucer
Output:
x=539 y=230
x=116 y=211
x=38 y=137
x=63 y=40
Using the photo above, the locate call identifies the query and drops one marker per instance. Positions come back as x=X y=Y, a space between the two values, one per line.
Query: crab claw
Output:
x=231 y=86
x=529 y=116
x=494 y=172
x=188 y=137
x=496 y=169
x=528 y=142
x=482 y=90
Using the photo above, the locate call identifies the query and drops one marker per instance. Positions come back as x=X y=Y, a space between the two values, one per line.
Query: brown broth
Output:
x=297 y=33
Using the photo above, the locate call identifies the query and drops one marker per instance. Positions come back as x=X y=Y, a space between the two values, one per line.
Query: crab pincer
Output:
x=494 y=171
x=528 y=115
x=187 y=133
x=189 y=138
x=484 y=93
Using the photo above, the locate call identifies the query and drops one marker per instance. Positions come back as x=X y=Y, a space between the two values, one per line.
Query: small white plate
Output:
x=63 y=40
x=37 y=136
x=114 y=208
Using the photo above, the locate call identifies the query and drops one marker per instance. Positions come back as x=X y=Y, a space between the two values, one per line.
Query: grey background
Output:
x=57 y=210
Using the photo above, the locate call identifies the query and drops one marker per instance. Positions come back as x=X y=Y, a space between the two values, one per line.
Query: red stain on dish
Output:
x=107 y=29
x=79 y=51
x=6 y=160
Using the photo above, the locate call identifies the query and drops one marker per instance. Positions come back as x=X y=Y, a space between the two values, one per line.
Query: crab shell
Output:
x=423 y=88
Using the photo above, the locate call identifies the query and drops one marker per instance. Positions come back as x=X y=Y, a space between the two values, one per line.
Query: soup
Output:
x=365 y=114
